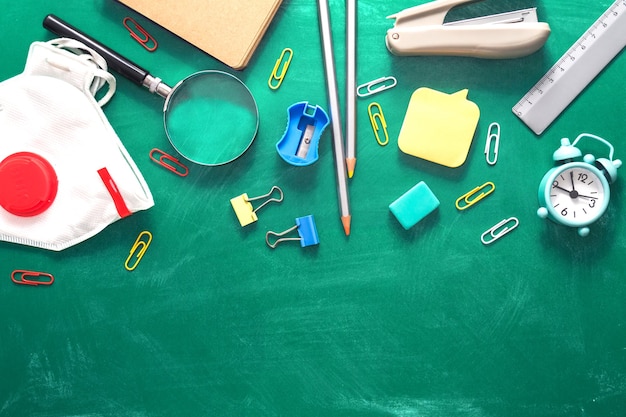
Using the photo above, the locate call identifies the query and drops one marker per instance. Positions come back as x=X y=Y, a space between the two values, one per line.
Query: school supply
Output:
x=32 y=278
x=351 y=11
x=228 y=30
x=246 y=214
x=421 y=30
x=138 y=33
x=138 y=250
x=305 y=124
x=276 y=78
x=474 y=195
x=376 y=86
x=499 y=230
x=439 y=127
x=335 y=115
x=306 y=229
x=198 y=111
x=492 y=144
x=378 y=122
x=64 y=173
x=412 y=206
x=569 y=76
x=169 y=162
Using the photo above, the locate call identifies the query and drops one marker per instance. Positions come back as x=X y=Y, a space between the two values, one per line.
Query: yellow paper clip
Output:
x=246 y=214
x=374 y=118
x=138 y=250
x=140 y=34
x=493 y=135
x=467 y=199
x=274 y=76
x=499 y=230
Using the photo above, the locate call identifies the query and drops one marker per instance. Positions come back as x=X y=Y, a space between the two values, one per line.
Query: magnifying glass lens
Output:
x=211 y=118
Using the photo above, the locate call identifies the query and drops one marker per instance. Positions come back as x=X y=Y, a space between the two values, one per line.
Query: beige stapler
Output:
x=421 y=30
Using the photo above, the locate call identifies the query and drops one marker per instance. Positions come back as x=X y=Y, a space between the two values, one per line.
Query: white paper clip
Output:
x=493 y=135
x=376 y=86
x=499 y=230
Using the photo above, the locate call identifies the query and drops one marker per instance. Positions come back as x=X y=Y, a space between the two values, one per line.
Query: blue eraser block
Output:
x=414 y=205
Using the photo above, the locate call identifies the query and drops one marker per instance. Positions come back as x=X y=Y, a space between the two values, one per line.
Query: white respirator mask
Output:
x=64 y=174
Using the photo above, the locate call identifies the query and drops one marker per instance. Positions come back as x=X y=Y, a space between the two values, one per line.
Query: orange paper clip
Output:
x=34 y=278
x=169 y=162
x=140 y=34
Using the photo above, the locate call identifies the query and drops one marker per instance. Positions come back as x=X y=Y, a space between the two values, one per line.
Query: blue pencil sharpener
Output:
x=305 y=125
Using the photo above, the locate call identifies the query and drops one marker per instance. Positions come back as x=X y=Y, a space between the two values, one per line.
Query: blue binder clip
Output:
x=305 y=125
x=307 y=233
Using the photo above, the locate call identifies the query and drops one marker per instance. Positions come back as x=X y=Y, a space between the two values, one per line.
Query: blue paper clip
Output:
x=306 y=229
x=305 y=125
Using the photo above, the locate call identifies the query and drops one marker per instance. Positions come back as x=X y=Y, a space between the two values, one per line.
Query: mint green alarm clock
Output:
x=576 y=193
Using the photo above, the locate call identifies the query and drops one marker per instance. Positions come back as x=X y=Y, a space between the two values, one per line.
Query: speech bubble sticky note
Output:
x=439 y=127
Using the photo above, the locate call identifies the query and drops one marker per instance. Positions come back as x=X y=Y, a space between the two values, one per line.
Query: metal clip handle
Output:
x=269 y=197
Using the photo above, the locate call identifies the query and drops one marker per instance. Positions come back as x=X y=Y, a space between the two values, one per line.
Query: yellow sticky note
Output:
x=439 y=127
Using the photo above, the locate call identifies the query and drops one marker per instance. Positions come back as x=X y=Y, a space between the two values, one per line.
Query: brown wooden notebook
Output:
x=229 y=30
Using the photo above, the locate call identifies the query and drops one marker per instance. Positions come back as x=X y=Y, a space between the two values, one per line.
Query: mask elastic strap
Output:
x=101 y=76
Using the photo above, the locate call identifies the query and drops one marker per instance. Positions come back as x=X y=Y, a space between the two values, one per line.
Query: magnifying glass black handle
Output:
x=115 y=61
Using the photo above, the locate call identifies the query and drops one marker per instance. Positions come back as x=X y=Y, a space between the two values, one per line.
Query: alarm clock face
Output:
x=578 y=195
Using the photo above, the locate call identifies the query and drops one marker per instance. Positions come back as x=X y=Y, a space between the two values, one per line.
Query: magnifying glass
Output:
x=210 y=117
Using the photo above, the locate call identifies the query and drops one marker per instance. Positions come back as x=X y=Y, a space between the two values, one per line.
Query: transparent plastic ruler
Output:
x=575 y=70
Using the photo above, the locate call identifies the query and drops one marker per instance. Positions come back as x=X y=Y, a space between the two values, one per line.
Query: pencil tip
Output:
x=350 y=164
x=346 y=224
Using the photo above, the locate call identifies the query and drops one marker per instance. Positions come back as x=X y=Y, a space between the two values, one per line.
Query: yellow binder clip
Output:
x=276 y=79
x=472 y=197
x=376 y=115
x=138 y=250
x=246 y=214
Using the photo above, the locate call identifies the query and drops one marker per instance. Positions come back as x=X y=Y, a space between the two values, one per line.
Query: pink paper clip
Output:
x=140 y=34
x=169 y=162
x=23 y=277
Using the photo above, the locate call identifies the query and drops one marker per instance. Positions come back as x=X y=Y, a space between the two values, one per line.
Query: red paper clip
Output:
x=23 y=277
x=143 y=37
x=175 y=165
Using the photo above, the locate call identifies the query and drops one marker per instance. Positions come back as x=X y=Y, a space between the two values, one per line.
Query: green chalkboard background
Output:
x=385 y=322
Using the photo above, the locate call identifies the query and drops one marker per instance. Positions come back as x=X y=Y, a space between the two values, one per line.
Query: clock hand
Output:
x=571 y=176
x=587 y=197
x=561 y=188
